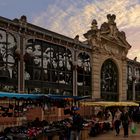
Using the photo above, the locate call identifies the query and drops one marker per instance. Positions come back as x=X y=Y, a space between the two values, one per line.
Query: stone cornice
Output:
x=113 y=40
x=21 y=26
x=133 y=62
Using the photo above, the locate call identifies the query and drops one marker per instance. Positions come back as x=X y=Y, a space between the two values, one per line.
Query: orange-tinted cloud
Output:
x=70 y=17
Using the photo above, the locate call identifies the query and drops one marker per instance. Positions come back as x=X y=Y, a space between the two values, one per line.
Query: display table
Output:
x=53 y=134
x=99 y=127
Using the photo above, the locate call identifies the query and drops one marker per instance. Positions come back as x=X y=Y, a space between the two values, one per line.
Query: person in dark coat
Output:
x=77 y=125
x=117 y=121
x=125 y=121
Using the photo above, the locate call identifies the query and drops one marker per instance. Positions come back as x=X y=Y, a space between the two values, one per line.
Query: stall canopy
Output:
x=66 y=97
x=19 y=95
x=108 y=104
x=35 y=96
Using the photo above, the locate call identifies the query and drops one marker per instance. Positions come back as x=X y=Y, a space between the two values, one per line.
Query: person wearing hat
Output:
x=77 y=124
x=29 y=61
x=37 y=50
x=49 y=64
x=49 y=53
x=37 y=66
x=80 y=72
x=11 y=66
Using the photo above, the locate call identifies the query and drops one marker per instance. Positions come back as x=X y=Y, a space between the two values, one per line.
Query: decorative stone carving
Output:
x=124 y=52
x=94 y=25
x=112 y=24
x=135 y=59
x=111 y=49
x=76 y=39
x=94 y=29
x=105 y=28
x=109 y=33
x=110 y=29
x=23 y=18
x=23 y=24
x=96 y=41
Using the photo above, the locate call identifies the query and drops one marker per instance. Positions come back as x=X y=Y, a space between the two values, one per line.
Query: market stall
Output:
x=21 y=103
x=15 y=104
x=108 y=104
x=102 y=121
x=18 y=96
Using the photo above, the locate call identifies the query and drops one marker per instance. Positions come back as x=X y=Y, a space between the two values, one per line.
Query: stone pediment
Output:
x=109 y=32
x=119 y=41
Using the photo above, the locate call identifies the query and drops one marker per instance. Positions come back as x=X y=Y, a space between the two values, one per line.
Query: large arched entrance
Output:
x=109 y=81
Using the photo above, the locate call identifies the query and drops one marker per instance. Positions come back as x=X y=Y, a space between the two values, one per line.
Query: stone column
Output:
x=21 y=84
x=123 y=82
x=96 y=76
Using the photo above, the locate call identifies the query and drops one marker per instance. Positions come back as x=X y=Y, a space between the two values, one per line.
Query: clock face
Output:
x=109 y=78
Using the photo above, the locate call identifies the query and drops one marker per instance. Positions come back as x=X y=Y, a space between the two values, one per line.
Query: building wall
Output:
x=104 y=43
x=98 y=60
x=133 y=79
x=30 y=77
x=108 y=43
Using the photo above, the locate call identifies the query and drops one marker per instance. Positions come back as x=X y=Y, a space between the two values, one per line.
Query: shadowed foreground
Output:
x=111 y=135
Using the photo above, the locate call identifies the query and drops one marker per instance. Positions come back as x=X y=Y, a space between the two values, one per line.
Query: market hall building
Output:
x=33 y=59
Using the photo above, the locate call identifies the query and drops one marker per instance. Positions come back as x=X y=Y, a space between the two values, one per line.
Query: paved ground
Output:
x=111 y=135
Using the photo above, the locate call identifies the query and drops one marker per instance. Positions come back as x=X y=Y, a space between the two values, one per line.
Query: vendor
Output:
x=109 y=117
x=117 y=121
x=77 y=124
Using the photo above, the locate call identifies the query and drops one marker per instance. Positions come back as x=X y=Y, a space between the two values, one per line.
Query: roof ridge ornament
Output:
x=110 y=27
x=107 y=31
x=94 y=25
x=23 y=24
x=23 y=18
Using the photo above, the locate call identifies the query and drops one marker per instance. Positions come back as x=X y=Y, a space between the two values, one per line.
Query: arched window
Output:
x=8 y=65
x=109 y=80
x=48 y=67
x=8 y=62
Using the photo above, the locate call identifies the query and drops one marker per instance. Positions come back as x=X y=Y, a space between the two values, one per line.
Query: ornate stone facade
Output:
x=104 y=57
x=108 y=43
x=47 y=62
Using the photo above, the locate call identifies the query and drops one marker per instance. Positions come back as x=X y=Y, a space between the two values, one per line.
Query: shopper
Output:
x=125 y=121
x=77 y=125
x=117 y=121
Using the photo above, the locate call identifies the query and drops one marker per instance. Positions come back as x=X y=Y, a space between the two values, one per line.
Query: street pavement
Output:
x=111 y=135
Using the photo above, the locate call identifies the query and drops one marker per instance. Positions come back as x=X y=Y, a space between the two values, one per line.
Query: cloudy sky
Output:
x=72 y=17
